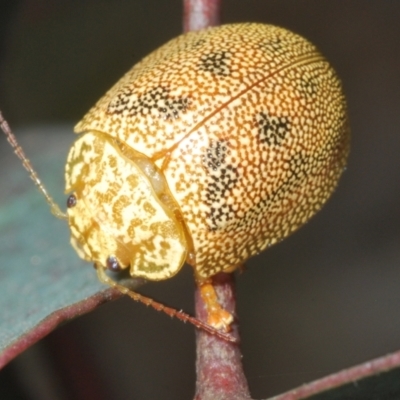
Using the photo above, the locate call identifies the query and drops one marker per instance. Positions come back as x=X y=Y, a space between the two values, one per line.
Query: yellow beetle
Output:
x=215 y=146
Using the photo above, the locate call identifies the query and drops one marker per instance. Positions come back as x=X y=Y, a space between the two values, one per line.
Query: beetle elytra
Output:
x=214 y=147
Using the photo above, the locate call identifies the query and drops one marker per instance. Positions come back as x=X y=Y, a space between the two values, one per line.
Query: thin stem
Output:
x=200 y=14
x=172 y=312
x=219 y=367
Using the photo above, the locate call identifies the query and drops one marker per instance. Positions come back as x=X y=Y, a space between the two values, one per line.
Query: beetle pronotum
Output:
x=215 y=146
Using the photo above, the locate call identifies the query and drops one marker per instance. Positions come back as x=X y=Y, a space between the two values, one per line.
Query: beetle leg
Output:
x=161 y=307
x=217 y=316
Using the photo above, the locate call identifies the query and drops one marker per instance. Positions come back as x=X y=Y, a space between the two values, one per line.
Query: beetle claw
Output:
x=218 y=318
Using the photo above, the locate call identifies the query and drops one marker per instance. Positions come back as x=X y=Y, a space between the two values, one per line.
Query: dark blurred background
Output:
x=326 y=298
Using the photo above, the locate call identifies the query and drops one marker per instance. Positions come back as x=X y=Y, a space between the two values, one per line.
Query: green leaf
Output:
x=43 y=282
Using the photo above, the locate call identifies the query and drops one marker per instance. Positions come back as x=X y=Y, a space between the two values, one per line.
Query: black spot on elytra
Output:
x=215 y=154
x=223 y=178
x=272 y=130
x=308 y=86
x=216 y=63
x=157 y=99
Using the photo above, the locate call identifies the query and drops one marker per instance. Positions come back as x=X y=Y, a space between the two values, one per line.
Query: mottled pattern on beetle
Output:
x=272 y=129
x=117 y=212
x=201 y=71
x=223 y=177
x=286 y=154
x=216 y=63
x=157 y=102
x=257 y=148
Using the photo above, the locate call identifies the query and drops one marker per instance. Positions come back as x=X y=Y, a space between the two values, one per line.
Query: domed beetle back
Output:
x=215 y=146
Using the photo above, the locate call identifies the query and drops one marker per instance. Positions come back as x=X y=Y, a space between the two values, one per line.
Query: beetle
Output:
x=214 y=147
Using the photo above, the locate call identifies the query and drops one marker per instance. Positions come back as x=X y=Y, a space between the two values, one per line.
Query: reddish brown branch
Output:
x=200 y=14
x=218 y=366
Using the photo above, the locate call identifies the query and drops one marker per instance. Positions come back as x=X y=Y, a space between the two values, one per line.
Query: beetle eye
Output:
x=71 y=201
x=113 y=264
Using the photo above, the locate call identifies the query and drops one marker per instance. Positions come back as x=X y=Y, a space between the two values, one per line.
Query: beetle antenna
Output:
x=172 y=312
x=54 y=208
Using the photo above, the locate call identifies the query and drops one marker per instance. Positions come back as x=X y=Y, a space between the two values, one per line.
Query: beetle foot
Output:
x=218 y=318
